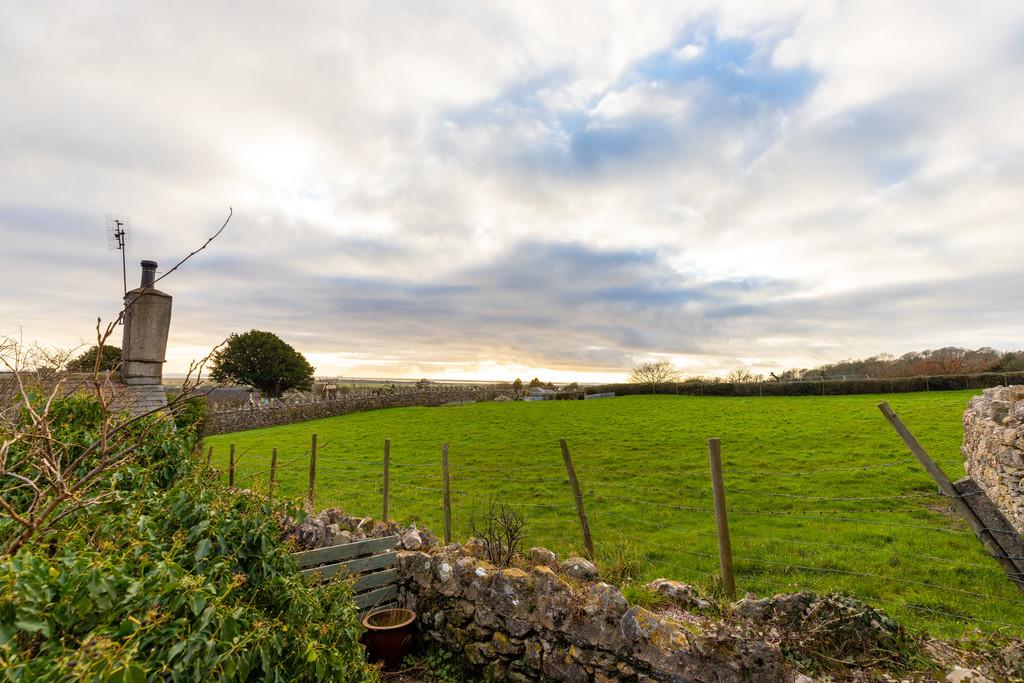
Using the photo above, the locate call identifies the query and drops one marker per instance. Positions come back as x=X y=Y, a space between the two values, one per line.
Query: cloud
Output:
x=442 y=188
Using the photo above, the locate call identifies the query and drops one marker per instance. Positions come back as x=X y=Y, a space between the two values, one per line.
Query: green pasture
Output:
x=822 y=494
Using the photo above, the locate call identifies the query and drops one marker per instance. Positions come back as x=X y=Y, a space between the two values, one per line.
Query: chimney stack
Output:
x=147 y=322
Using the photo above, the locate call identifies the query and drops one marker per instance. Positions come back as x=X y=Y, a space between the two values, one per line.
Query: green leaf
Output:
x=134 y=674
x=34 y=626
x=203 y=549
x=197 y=603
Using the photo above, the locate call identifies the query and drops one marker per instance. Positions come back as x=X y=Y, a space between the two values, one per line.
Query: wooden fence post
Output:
x=231 y=466
x=209 y=456
x=312 y=474
x=588 y=542
x=447 y=497
x=387 y=467
x=948 y=489
x=273 y=475
x=721 y=518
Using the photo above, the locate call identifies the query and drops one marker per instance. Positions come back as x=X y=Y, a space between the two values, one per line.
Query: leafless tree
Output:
x=654 y=373
x=501 y=531
x=740 y=375
x=45 y=474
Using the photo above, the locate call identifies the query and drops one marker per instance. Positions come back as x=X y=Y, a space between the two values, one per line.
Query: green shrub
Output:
x=190 y=415
x=171 y=577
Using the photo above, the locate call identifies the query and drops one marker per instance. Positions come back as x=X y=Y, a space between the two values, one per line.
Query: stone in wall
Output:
x=334 y=527
x=993 y=448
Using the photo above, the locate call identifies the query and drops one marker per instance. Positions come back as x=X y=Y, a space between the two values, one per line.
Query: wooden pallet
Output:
x=373 y=563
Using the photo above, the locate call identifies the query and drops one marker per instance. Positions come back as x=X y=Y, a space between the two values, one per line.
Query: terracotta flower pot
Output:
x=389 y=634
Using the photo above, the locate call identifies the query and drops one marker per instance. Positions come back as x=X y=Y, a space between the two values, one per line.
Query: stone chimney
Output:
x=147 y=321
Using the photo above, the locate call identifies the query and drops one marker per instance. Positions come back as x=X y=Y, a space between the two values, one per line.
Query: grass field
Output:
x=822 y=493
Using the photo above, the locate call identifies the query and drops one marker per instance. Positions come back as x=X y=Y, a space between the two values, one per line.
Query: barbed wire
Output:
x=775 y=539
x=883 y=577
x=560 y=480
x=704 y=492
x=926 y=584
x=279 y=467
x=463 y=495
x=808 y=514
x=957 y=617
x=804 y=473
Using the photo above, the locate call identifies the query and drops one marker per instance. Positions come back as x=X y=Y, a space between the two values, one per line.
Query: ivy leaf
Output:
x=197 y=603
x=203 y=549
x=34 y=626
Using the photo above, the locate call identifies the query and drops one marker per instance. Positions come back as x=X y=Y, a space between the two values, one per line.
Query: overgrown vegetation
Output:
x=162 y=575
x=438 y=666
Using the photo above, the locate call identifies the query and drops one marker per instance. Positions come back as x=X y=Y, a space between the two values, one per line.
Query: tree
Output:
x=740 y=375
x=535 y=382
x=263 y=361
x=110 y=359
x=517 y=387
x=654 y=372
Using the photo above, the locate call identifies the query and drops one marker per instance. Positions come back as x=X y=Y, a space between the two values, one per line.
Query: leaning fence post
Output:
x=447 y=497
x=273 y=475
x=588 y=542
x=312 y=474
x=231 y=466
x=387 y=466
x=948 y=489
x=721 y=518
x=209 y=456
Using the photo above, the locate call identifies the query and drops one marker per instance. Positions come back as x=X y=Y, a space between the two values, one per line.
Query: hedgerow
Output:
x=170 y=577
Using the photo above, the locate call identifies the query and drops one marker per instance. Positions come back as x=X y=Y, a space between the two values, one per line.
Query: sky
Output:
x=482 y=190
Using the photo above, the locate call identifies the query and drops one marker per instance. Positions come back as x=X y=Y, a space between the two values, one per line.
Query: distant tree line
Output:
x=949 y=360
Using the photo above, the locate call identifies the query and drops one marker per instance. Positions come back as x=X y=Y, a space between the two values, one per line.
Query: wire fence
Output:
x=820 y=528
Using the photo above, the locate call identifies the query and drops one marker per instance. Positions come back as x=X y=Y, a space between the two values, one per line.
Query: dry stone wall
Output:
x=993 y=448
x=544 y=620
x=256 y=417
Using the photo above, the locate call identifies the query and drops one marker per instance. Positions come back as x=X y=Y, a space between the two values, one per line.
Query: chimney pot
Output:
x=148 y=273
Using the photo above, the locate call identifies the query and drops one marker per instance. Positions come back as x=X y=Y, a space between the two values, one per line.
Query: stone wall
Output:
x=255 y=417
x=553 y=621
x=993 y=448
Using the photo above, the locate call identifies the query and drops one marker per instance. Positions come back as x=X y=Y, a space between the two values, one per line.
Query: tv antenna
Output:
x=118 y=239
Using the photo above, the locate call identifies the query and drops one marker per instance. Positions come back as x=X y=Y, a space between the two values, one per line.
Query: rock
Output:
x=559 y=665
x=543 y=556
x=788 y=608
x=504 y=645
x=681 y=594
x=552 y=598
x=411 y=539
x=803 y=678
x=476 y=548
x=597 y=623
x=677 y=654
x=479 y=653
x=580 y=568
x=962 y=675
x=486 y=617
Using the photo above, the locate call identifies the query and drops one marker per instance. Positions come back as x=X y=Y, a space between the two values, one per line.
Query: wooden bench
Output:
x=373 y=563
